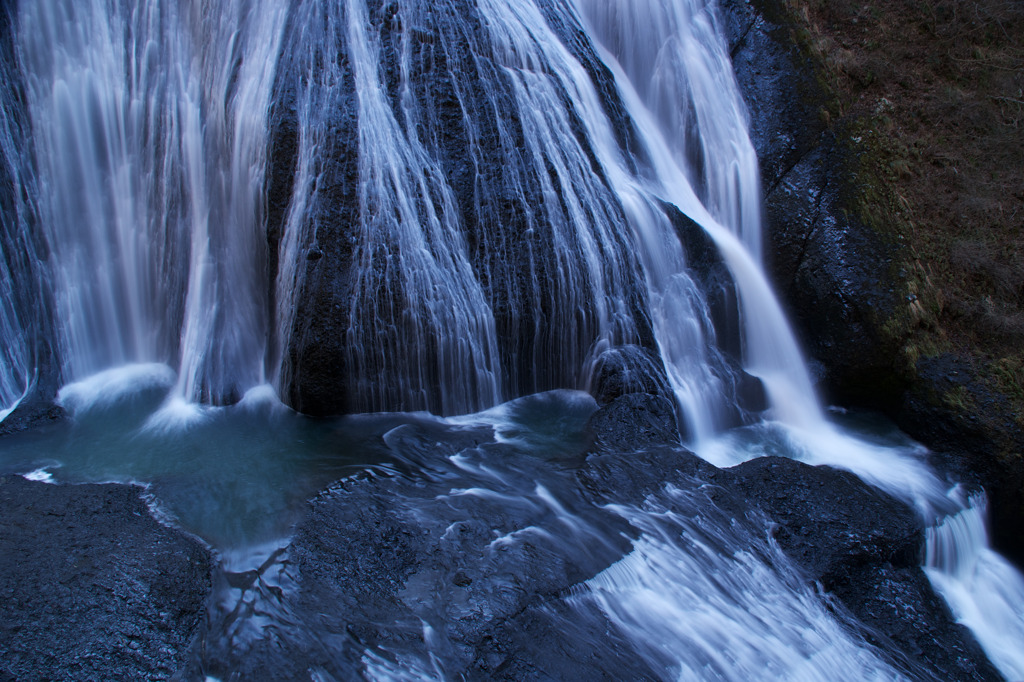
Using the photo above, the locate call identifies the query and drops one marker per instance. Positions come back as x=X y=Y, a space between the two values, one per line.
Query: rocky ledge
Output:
x=474 y=560
x=92 y=587
x=466 y=557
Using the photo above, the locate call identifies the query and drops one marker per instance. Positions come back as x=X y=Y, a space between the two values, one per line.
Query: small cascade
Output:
x=665 y=52
x=702 y=600
x=674 y=56
x=984 y=591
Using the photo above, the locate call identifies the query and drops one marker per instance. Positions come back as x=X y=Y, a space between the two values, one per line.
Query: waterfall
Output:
x=16 y=351
x=358 y=244
x=148 y=138
x=422 y=205
x=420 y=333
x=482 y=243
x=673 y=55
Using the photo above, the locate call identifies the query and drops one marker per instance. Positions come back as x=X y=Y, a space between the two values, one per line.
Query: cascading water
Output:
x=481 y=241
x=675 y=58
x=688 y=63
x=149 y=141
x=984 y=592
x=15 y=361
x=432 y=206
x=16 y=355
x=411 y=272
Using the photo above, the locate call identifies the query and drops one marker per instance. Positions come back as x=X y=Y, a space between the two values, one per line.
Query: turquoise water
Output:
x=240 y=476
x=235 y=476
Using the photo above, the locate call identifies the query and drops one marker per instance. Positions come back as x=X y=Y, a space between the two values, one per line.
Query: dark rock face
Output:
x=92 y=587
x=628 y=369
x=30 y=414
x=830 y=521
x=313 y=367
x=779 y=85
x=349 y=346
x=836 y=274
x=901 y=612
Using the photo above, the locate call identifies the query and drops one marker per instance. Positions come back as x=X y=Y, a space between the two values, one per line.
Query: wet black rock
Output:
x=633 y=422
x=92 y=587
x=628 y=369
x=829 y=520
x=628 y=478
x=865 y=548
x=33 y=413
x=902 y=613
x=392 y=570
x=835 y=273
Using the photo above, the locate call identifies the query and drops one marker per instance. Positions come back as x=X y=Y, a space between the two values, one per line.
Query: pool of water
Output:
x=239 y=476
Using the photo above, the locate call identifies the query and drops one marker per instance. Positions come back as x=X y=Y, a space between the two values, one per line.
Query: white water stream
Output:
x=675 y=75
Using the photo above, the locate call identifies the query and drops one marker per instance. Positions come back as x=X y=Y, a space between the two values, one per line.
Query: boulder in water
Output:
x=628 y=369
x=633 y=422
x=864 y=547
x=829 y=520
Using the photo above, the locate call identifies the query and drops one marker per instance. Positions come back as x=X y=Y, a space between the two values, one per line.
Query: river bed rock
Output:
x=475 y=560
x=93 y=588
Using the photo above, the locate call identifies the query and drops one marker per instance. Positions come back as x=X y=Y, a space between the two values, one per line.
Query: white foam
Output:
x=106 y=388
x=900 y=471
x=261 y=396
x=41 y=474
x=177 y=414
